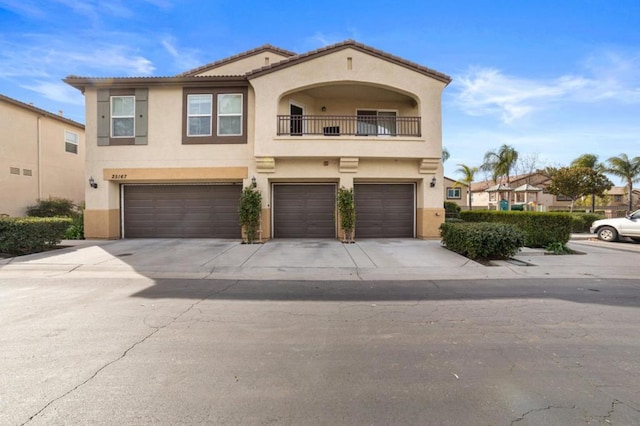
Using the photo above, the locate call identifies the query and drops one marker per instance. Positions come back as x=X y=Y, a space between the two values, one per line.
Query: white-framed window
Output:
x=454 y=193
x=230 y=114
x=199 y=113
x=70 y=142
x=123 y=110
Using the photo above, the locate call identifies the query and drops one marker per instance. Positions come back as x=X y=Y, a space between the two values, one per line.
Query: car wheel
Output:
x=607 y=233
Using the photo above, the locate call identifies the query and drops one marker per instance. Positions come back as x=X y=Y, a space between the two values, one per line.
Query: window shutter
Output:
x=142 y=123
x=104 y=117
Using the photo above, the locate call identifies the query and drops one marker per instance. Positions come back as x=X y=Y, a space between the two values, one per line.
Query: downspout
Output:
x=38 y=159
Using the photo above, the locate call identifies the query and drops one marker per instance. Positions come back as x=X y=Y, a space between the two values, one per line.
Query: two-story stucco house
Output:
x=170 y=155
x=41 y=156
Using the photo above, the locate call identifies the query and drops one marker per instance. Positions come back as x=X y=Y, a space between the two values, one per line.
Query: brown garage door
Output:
x=384 y=210
x=181 y=211
x=304 y=211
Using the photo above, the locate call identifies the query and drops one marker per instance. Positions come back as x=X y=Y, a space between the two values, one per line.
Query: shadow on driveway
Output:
x=592 y=291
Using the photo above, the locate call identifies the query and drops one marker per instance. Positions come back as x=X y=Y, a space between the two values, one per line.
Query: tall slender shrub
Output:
x=249 y=212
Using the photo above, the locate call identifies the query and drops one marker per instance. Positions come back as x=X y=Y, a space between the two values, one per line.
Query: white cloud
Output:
x=57 y=91
x=490 y=92
x=44 y=58
x=184 y=59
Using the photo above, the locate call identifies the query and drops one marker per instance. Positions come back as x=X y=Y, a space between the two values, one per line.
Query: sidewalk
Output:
x=315 y=260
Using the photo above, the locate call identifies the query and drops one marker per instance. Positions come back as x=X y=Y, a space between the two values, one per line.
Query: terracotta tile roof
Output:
x=123 y=82
x=534 y=178
x=40 y=111
x=257 y=50
x=344 y=45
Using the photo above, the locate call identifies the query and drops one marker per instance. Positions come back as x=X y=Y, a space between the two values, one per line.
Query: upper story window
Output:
x=122 y=116
x=123 y=110
x=214 y=115
x=70 y=142
x=230 y=114
x=199 y=115
x=453 y=193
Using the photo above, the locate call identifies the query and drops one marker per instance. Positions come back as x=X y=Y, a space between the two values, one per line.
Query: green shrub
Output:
x=53 y=207
x=451 y=210
x=577 y=223
x=453 y=220
x=20 y=235
x=587 y=220
x=482 y=240
x=76 y=230
x=540 y=229
x=249 y=209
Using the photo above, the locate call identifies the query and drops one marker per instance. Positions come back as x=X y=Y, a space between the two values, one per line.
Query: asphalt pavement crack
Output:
x=536 y=410
x=126 y=352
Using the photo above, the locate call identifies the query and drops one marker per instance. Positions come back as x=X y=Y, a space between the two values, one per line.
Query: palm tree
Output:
x=627 y=169
x=445 y=154
x=501 y=163
x=590 y=161
x=468 y=174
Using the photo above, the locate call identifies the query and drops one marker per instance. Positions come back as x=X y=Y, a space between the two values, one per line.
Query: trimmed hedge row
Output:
x=482 y=240
x=540 y=229
x=24 y=235
x=581 y=222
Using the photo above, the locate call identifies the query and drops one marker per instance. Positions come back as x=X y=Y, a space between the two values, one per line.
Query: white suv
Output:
x=611 y=229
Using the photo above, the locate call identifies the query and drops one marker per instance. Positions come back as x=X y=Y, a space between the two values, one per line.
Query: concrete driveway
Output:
x=401 y=259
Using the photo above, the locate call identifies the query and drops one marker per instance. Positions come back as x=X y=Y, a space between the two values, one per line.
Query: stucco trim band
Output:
x=175 y=174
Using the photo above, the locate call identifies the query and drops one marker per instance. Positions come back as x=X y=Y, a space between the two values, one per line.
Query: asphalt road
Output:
x=491 y=352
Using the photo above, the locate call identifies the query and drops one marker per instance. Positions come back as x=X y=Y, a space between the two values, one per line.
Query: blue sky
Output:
x=554 y=79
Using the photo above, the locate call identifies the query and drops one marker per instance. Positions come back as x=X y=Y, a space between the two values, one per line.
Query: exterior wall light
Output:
x=93 y=183
x=324 y=109
x=253 y=182
x=433 y=182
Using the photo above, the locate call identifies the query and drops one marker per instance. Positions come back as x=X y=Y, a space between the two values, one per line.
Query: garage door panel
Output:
x=304 y=211
x=384 y=210
x=181 y=211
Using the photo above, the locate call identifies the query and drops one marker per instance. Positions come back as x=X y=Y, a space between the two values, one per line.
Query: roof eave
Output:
x=345 y=45
x=81 y=83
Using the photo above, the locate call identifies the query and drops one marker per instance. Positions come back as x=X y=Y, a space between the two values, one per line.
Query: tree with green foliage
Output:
x=468 y=174
x=627 y=169
x=590 y=161
x=576 y=182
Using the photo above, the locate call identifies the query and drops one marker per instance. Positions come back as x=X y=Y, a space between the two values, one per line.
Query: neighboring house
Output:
x=618 y=197
x=456 y=192
x=525 y=185
x=170 y=155
x=41 y=155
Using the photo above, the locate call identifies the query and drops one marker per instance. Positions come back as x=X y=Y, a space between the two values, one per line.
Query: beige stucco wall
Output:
x=334 y=69
x=463 y=201
x=33 y=141
x=181 y=163
x=246 y=64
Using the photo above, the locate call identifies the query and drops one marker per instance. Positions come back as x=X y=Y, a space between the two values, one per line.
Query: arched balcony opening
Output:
x=348 y=109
